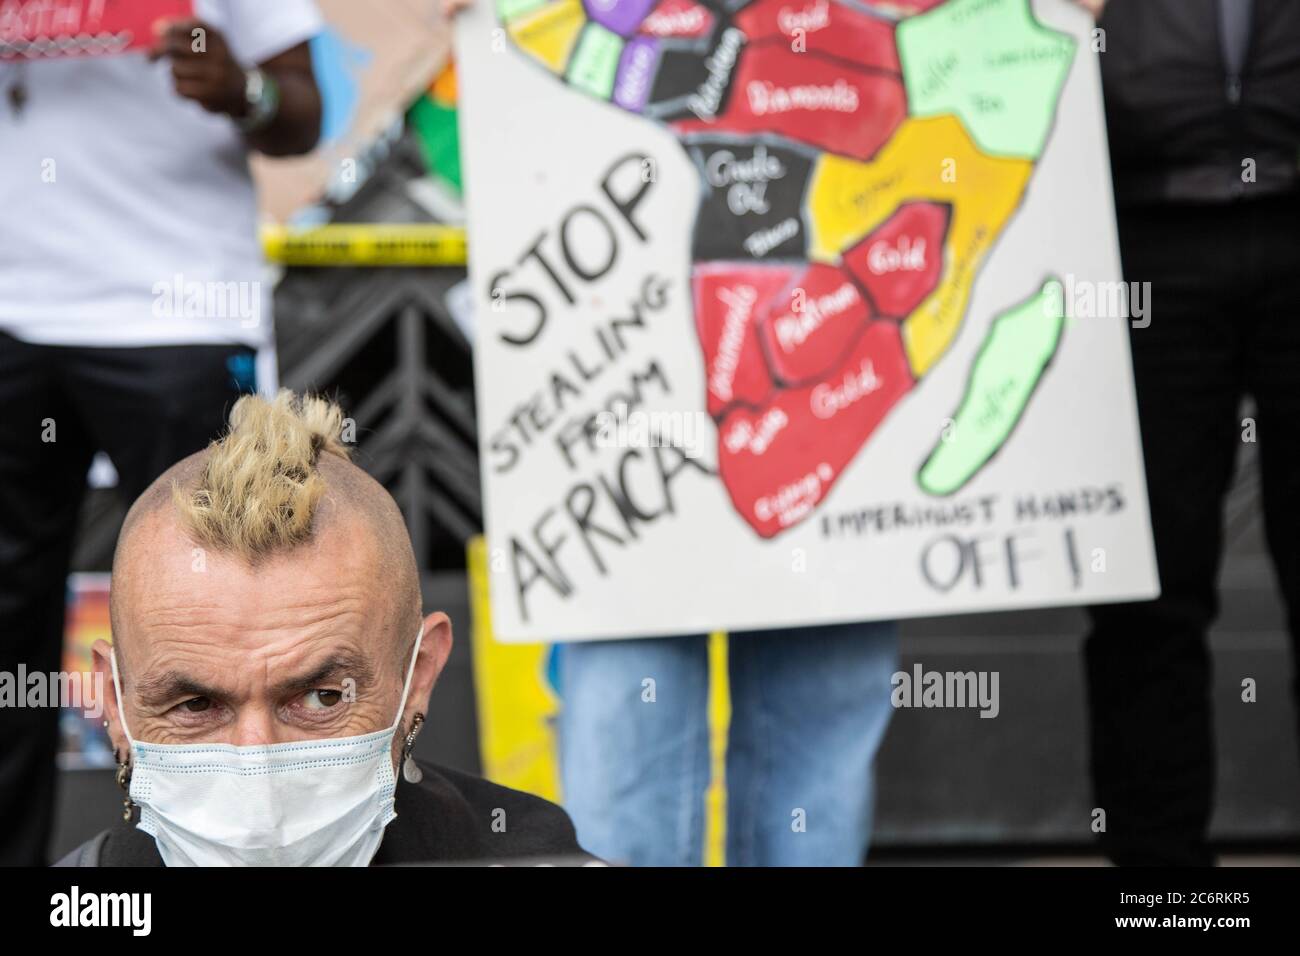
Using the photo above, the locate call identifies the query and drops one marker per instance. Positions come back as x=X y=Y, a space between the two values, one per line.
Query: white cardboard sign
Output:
x=795 y=311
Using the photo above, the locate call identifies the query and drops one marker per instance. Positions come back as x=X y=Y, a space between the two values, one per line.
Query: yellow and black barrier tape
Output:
x=368 y=244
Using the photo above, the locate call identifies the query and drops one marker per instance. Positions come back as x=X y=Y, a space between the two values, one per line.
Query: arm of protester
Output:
x=276 y=104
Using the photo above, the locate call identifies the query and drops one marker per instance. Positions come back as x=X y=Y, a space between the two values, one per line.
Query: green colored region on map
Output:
x=595 y=62
x=507 y=10
x=1006 y=371
x=990 y=63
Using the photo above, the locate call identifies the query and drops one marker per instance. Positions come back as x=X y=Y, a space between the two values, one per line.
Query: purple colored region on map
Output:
x=621 y=16
x=636 y=72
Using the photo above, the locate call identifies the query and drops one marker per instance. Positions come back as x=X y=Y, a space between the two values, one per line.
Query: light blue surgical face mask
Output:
x=307 y=803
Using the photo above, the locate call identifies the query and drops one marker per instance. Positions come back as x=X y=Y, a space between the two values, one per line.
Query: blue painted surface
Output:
x=338 y=65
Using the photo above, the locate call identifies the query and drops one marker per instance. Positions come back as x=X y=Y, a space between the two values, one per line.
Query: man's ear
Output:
x=101 y=652
x=435 y=648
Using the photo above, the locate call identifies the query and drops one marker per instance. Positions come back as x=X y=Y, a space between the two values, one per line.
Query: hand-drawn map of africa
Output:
x=852 y=281
x=856 y=162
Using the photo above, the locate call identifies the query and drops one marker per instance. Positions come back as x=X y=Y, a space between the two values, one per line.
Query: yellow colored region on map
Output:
x=929 y=159
x=549 y=34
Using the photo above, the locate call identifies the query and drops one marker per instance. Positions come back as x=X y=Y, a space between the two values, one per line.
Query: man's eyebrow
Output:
x=157 y=689
x=339 y=666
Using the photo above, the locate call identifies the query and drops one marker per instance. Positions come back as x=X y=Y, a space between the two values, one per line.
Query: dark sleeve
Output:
x=513 y=824
x=87 y=854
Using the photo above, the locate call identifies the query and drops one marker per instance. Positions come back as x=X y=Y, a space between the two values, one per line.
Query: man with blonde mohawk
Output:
x=271 y=666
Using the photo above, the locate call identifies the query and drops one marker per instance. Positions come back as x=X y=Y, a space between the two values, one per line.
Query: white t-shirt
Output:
x=128 y=214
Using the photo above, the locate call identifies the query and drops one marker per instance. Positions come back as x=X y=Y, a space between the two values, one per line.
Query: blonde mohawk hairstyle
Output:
x=258 y=489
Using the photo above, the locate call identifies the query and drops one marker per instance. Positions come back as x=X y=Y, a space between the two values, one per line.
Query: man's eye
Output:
x=197 y=705
x=322 y=699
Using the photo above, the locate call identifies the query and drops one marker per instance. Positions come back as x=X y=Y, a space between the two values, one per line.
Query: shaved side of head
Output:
x=276 y=482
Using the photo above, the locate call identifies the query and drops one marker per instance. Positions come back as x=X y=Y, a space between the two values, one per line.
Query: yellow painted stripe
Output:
x=715 y=799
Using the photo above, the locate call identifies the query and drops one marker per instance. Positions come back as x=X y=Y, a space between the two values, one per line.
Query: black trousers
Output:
x=1225 y=322
x=147 y=408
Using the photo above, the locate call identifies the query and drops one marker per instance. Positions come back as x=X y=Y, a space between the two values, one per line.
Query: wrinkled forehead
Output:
x=169 y=590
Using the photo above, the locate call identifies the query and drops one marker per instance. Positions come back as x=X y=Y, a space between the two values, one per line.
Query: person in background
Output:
x=1203 y=109
x=809 y=708
x=131 y=301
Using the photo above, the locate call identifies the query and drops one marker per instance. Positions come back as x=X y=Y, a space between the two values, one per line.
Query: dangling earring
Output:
x=124 y=781
x=411 y=771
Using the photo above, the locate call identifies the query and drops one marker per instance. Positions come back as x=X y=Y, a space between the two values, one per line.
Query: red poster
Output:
x=47 y=29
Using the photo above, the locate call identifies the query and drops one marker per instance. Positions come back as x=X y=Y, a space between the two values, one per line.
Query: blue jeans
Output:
x=809 y=709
